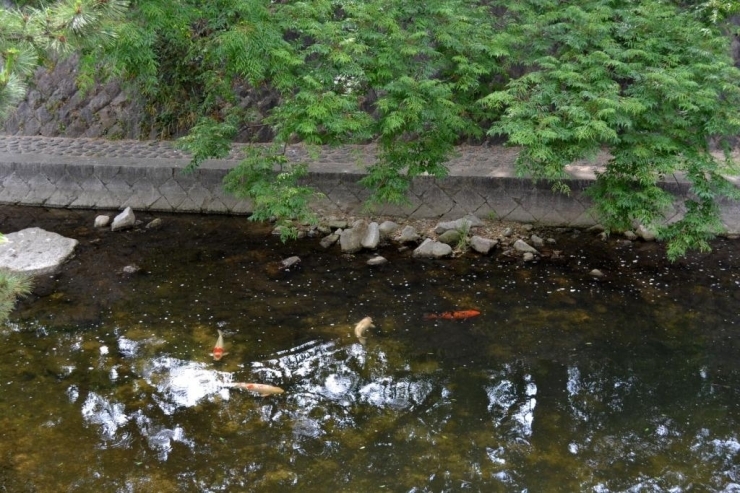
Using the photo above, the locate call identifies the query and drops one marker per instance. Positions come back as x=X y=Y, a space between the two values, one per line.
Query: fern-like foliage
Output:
x=12 y=286
x=272 y=183
x=648 y=82
x=31 y=35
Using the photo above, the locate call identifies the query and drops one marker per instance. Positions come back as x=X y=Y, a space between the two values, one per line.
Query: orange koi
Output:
x=456 y=315
x=261 y=389
x=218 y=349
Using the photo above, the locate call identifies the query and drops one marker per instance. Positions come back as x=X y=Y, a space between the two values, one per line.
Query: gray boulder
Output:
x=351 y=239
x=290 y=262
x=125 y=219
x=102 y=221
x=408 y=235
x=377 y=260
x=468 y=221
x=537 y=241
x=524 y=247
x=388 y=229
x=328 y=241
x=155 y=223
x=645 y=233
x=450 y=237
x=432 y=249
x=35 y=252
x=337 y=224
x=482 y=245
x=372 y=236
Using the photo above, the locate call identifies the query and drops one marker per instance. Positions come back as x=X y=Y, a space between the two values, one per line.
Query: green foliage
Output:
x=463 y=242
x=647 y=82
x=271 y=182
x=11 y=287
x=208 y=139
x=188 y=58
x=30 y=35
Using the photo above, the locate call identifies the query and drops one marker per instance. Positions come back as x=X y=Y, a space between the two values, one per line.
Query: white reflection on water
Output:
x=183 y=383
x=511 y=405
x=160 y=438
x=401 y=394
x=109 y=415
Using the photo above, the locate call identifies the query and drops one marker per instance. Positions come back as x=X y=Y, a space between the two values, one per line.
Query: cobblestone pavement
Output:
x=468 y=161
x=83 y=147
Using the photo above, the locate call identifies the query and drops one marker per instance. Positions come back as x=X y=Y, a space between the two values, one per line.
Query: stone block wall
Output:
x=55 y=107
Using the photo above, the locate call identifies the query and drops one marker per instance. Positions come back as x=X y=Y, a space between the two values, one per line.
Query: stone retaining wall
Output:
x=97 y=174
x=158 y=185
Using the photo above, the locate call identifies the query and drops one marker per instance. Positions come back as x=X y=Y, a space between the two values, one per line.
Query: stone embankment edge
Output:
x=490 y=190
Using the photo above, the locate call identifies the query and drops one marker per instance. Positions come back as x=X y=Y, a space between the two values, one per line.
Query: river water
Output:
x=562 y=383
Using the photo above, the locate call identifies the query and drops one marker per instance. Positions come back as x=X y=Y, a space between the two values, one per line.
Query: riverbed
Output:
x=563 y=382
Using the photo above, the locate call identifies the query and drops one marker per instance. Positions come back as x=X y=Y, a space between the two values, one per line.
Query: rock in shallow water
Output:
x=125 y=219
x=34 y=251
x=432 y=249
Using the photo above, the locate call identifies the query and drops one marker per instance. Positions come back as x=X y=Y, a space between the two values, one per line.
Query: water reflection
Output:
x=554 y=387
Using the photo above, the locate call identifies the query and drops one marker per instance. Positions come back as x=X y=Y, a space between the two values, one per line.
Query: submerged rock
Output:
x=290 y=262
x=377 y=260
x=131 y=269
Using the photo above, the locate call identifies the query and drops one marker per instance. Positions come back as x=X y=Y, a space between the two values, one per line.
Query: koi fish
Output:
x=218 y=349
x=261 y=389
x=457 y=315
x=361 y=327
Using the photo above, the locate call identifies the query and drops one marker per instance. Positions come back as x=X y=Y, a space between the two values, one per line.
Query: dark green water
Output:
x=563 y=383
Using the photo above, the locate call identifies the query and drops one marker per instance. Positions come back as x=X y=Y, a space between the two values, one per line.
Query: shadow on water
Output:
x=563 y=383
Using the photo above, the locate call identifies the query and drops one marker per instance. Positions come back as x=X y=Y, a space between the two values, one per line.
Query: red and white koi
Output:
x=218 y=349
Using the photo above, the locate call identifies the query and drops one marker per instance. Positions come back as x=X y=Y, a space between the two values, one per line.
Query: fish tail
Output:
x=219 y=332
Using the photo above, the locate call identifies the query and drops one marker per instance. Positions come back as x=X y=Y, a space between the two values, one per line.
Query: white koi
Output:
x=361 y=328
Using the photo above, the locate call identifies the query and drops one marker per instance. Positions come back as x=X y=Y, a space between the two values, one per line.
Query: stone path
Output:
x=148 y=175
